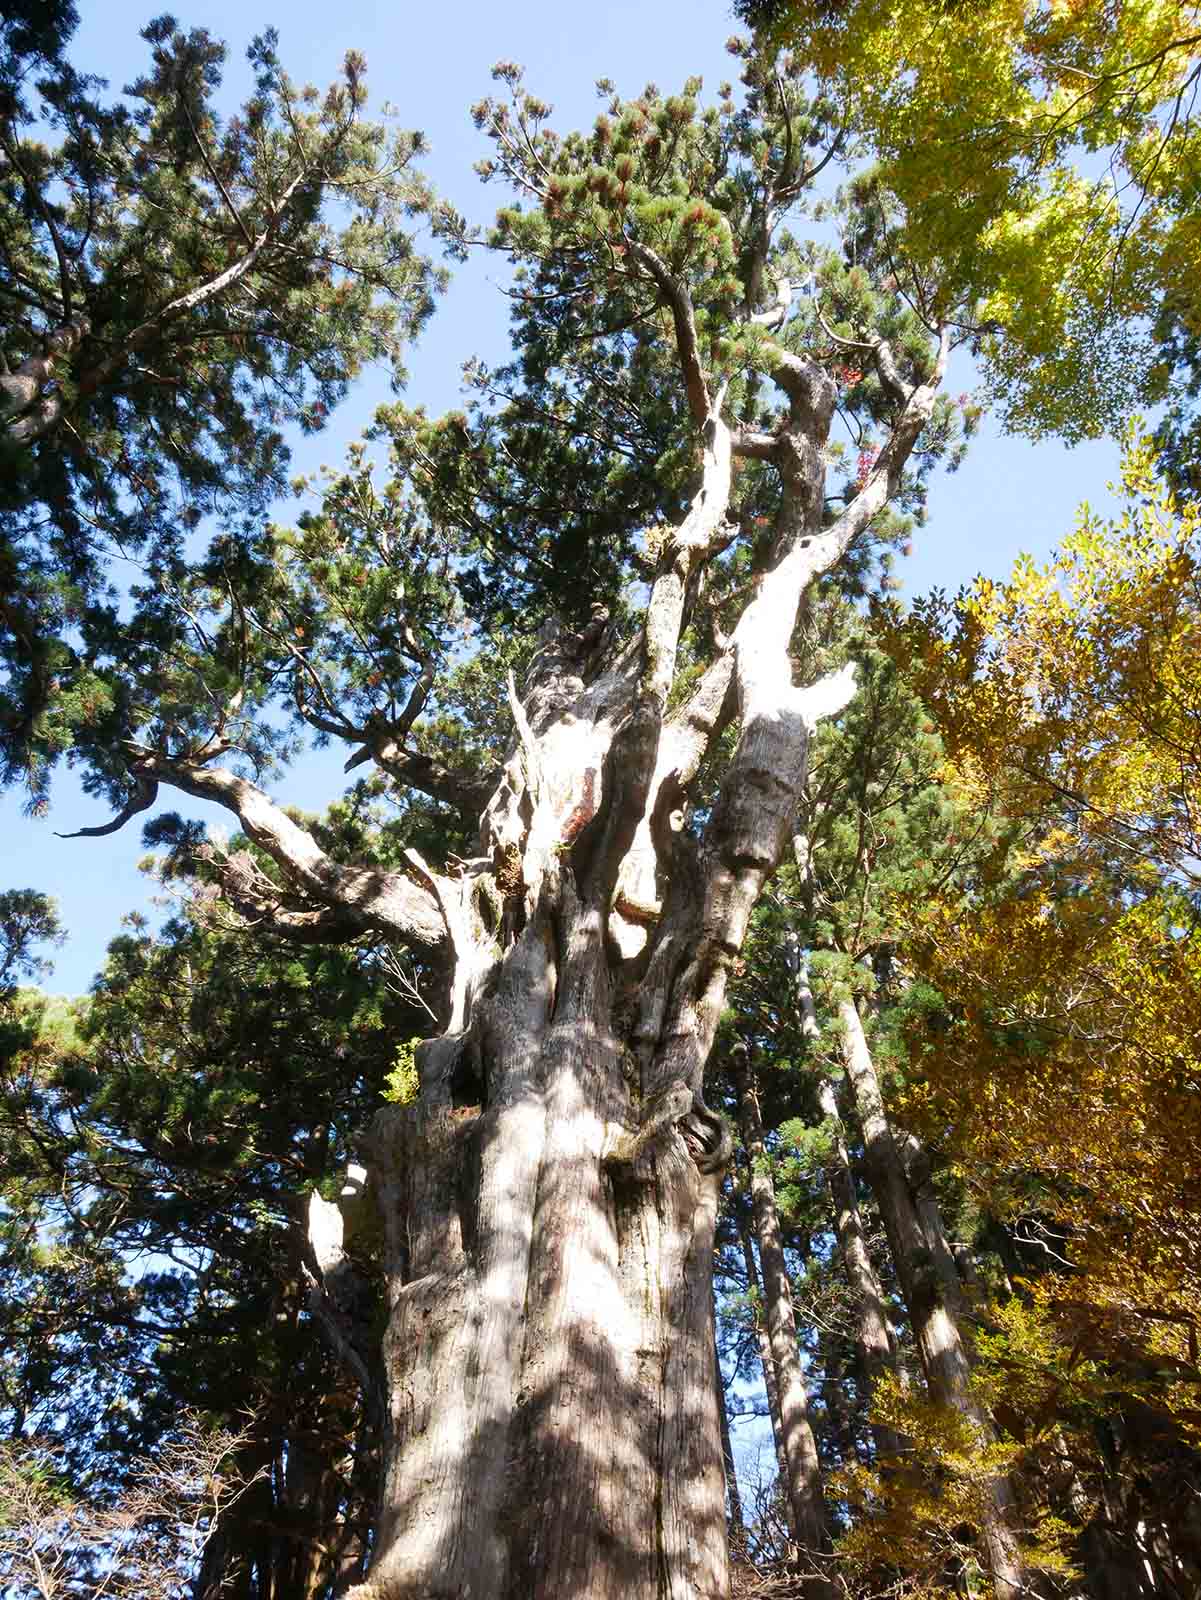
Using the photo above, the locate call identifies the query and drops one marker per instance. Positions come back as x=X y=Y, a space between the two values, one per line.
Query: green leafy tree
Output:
x=27 y=919
x=162 y=1140
x=1045 y=156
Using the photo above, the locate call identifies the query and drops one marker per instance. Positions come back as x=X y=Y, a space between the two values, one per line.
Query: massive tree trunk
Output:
x=929 y=1283
x=548 y=1204
x=544 y=1211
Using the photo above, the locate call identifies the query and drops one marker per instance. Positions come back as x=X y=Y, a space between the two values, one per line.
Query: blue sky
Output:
x=432 y=62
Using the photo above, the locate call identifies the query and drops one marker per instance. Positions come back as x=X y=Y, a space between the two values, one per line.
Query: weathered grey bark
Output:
x=802 y=1479
x=931 y=1298
x=918 y=1175
x=547 y=1205
x=28 y=407
x=551 y=1424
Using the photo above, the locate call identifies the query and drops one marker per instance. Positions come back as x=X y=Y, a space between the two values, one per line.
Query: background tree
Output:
x=874 y=818
x=1071 y=690
x=1052 y=1072
x=161 y=1151
x=1045 y=157
x=176 y=290
x=1083 y=1419
x=142 y=1546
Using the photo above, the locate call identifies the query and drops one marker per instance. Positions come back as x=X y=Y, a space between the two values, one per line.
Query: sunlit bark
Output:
x=543 y=1213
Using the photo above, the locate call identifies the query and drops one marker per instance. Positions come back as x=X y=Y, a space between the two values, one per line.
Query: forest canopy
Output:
x=724 y=1004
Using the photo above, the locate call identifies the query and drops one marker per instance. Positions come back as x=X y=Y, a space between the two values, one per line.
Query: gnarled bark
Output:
x=545 y=1208
x=548 y=1205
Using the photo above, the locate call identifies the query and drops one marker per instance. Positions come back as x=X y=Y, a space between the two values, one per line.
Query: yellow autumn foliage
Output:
x=916 y=1518
x=1047 y=167
x=1069 y=697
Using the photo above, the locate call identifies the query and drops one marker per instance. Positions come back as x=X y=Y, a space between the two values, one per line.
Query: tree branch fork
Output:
x=589 y=809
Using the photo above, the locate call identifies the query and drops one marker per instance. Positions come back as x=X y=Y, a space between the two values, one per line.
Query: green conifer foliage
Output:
x=177 y=289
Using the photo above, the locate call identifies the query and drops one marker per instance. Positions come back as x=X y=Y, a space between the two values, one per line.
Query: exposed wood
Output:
x=546 y=1207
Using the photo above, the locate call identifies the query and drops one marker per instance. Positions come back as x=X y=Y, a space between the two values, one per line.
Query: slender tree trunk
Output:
x=803 y=1466
x=770 y=1385
x=920 y=1179
x=932 y=1302
x=839 y=1435
x=733 y=1497
x=236 y=1561
x=873 y=1338
x=351 y=1542
x=873 y=1342
x=224 y=1569
x=313 y=1490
